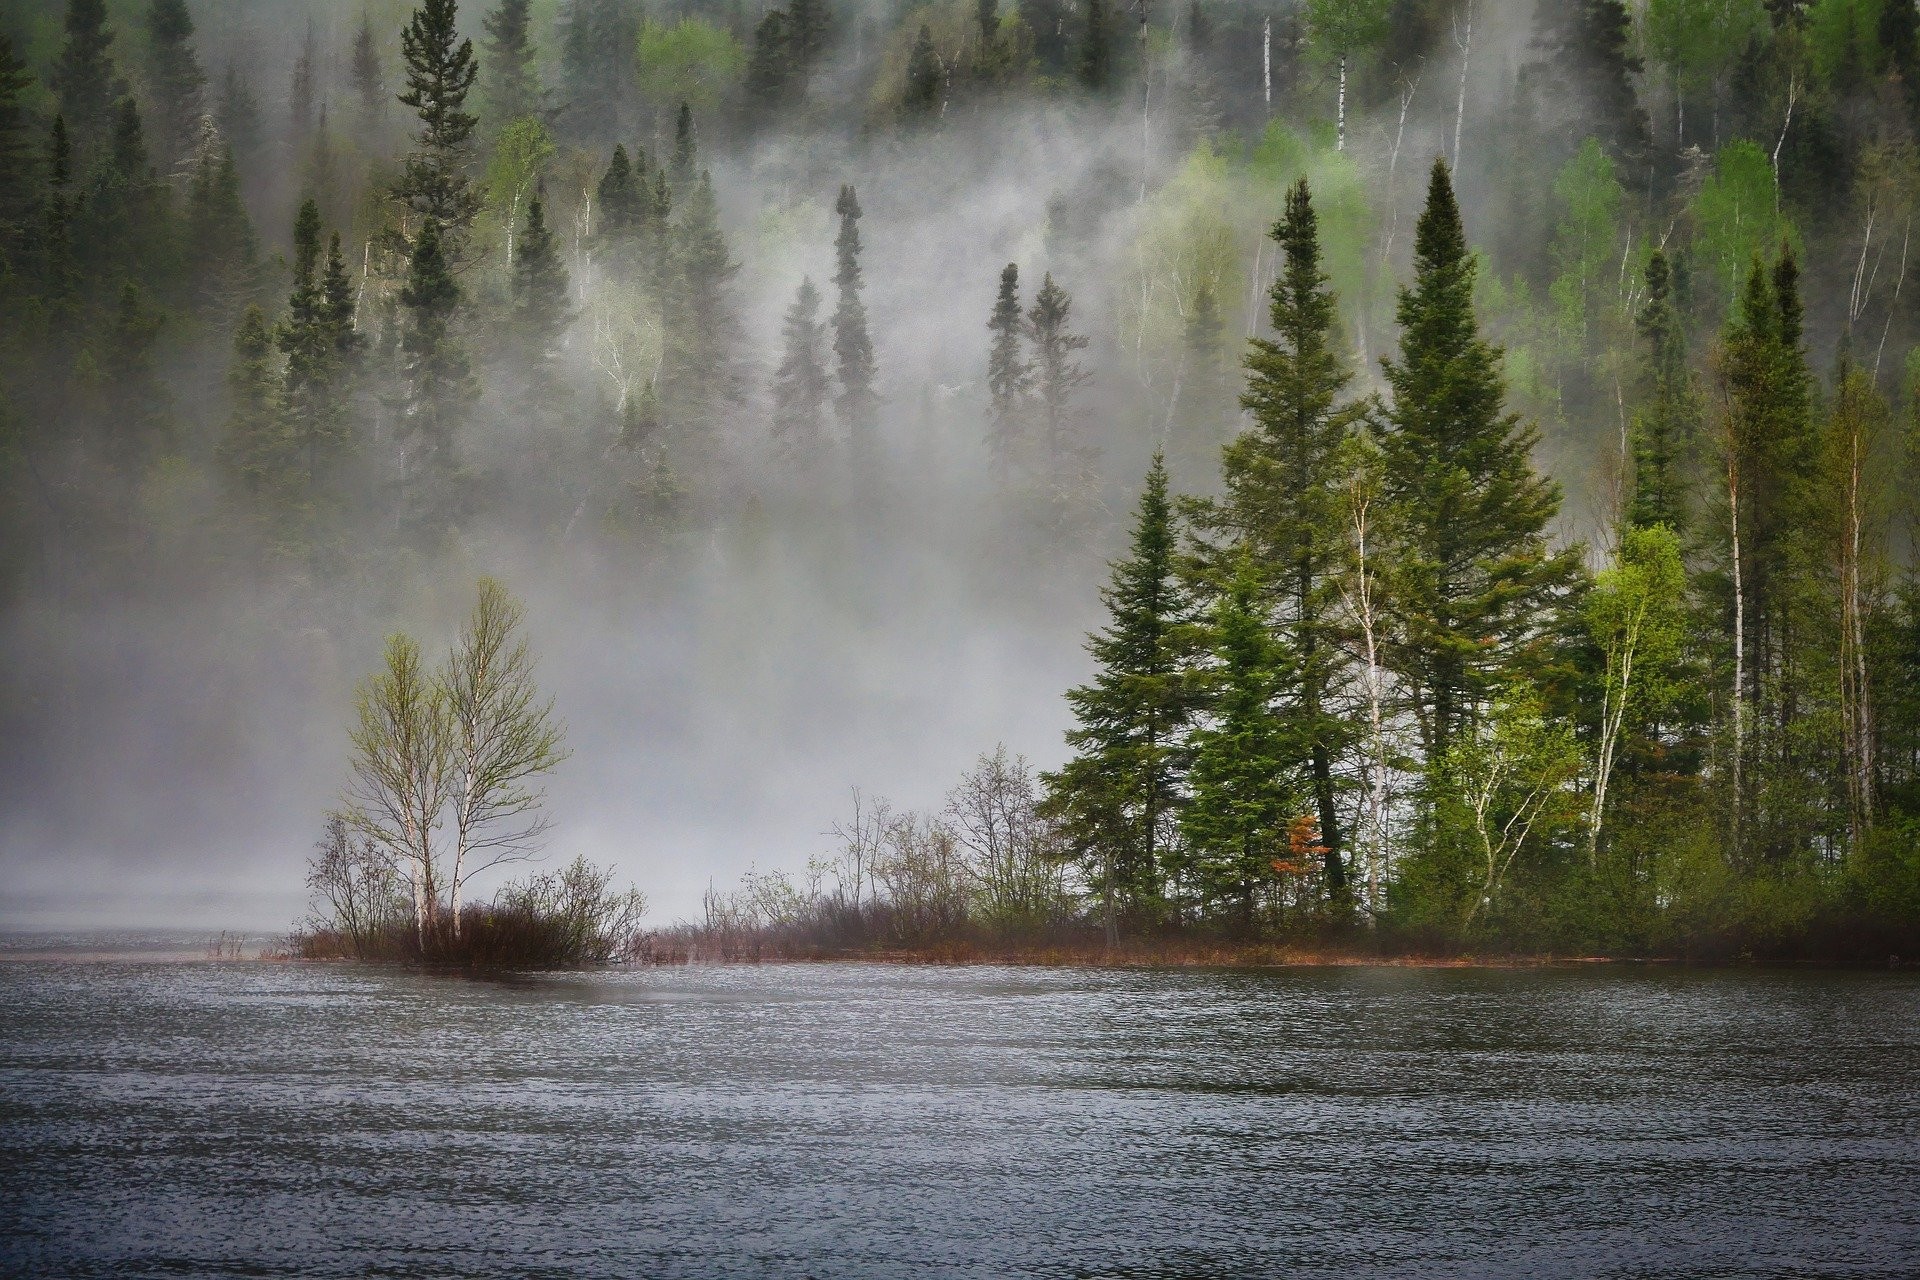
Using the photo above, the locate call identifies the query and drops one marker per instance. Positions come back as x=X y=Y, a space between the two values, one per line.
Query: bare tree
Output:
x=502 y=739
x=1012 y=856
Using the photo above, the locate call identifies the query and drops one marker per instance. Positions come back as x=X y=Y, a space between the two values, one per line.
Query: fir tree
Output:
x=310 y=340
x=622 y=202
x=83 y=79
x=512 y=85
x=1474 y=572
x=925 y=72
x=1118 y=799
x=857 y=406
x=221 y=252
x=440 y=72
x=1057 y=378
x=685 y=150
x=254 y=451
x=800 y=384
x=174 y=76
x=1284 y=506
x=1241 y=781
x=17 y=148
x=773 y=76
x=1664 y=422
x=1096 y=49
x=542 y=311
x=1009 y=376
x=439 y=386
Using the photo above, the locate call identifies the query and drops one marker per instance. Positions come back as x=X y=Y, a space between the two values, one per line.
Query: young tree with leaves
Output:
x=1343 y=30
x=1117 y=801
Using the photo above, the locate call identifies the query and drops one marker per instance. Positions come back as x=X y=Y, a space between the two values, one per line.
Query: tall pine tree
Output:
x=176 y=81
x=440 y=73
x=1009 y=377
x=512 y=86
x=800 y=384
x=857 y=405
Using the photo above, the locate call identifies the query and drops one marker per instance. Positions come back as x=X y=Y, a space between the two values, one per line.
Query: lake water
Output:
x=203 y=1119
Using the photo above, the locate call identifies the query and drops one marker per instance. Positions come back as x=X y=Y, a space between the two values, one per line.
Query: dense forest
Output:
x=1526 y=396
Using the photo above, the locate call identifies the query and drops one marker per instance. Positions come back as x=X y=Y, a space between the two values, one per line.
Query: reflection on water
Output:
x=207 y=1119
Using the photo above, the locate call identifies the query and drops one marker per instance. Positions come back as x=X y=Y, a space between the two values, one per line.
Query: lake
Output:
x=207 y=1119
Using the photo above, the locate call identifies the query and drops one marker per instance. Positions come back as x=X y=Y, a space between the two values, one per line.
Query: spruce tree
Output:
x=254 y=451
x=1474 y=575
x=1009 y=376
x=17 y=147
x=369 y=83
x=176 y=80
x=220 y=251
x=512 y=89
x=922 y=98
x=857 y=405
x=1587 y=67
x=83 y=79
x=699 y=370
x=239 y=119
x=1118 y=798
x=598 y=38
x=440 y=72
x=1096 y=49
x=800 y=384
x=1668 y=412
x=542 y=311
x=439 y=387
x=621 y=204
x=773 y=76
x=1057 y=377
x=1203 y=404
x=1242 y=787
x=309 y=337
x=1284 y=507
x=685 y=150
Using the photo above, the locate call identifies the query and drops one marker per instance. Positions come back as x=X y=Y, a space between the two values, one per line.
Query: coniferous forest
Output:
x=1527 y=397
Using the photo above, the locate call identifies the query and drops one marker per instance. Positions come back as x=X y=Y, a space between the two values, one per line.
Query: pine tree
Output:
x=1118 y=799
x=800 y=384
x=439 y=75
x=1096 y=49
x=178 y=84
x=925 y=74
x=17 y=159
x=369 y=82
x=622 y=204
x=1243 y=795
x=1009 y=376
x=1666 y=418
x=1284 y=507
x=685 y=150
x=439 y=387
x=542 y=311
x=1474 y=574
x=83 y=79
x=512 y=84
x=1057 y=378
x=309 y=337
x=857 y=405
x=773 y=75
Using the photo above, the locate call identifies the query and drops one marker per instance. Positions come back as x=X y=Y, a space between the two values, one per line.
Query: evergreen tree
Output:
x=303 y=95
x=1096 y=49
x=800 y=384
x=1664 y=422
x=810 y=22
x=125 y=224
x=59 y=272
x=1057 y=378
x=925 y=74
x=17 y=148
x=1474 y=574
x=598 y=38
x=773 y=76
x=1283 y=510
x=220 y=250
x=176 y=80
x=1202 y=410
x=369 y=82
x=857 y=405
x=512 y=85
x=440 y=72
x=1009 y=376
x=136 y=406
x=1118 y=799
x=254 y=453
x=1243 y=796
x=542 y=311
x=622 y=202
x=439 y=387
x=309 y=337
x=1585 y=72
x=685 y=150
x=239 y=120
x=699 y=371
x=83 y=79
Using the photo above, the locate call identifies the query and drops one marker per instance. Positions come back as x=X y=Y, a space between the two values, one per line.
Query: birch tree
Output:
x=1342 y=30
x=400 y=771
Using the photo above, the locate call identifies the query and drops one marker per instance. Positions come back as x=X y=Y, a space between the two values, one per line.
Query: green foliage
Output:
x=1736 y=215
x=691 y=62
x=1585 y=242
x=440 y=73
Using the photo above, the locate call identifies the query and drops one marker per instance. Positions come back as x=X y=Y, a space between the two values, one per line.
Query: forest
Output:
x=1527 y=398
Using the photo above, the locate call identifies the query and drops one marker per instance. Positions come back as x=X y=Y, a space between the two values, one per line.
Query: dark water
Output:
x=192 y=1119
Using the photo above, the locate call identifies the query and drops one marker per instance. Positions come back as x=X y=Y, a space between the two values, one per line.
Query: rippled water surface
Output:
x=187 y=1119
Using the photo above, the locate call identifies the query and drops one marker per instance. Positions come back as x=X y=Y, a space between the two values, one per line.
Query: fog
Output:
x=170 y=751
